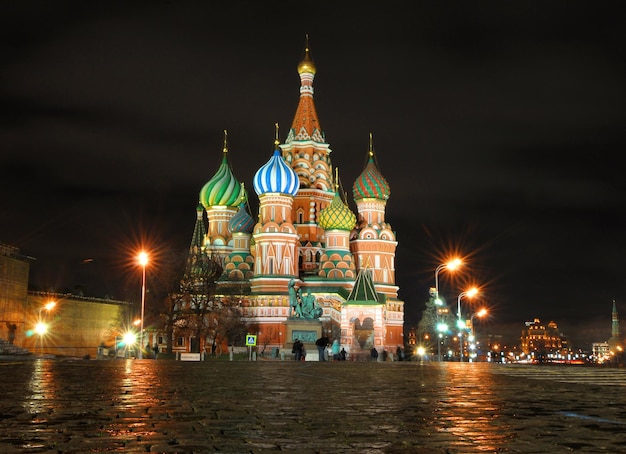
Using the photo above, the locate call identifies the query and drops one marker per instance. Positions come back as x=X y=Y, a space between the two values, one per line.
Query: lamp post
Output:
x=143 y=261
x=41 y=328
x=451 y=266
x=480 y=313
x=48 y=306
x=461 y=325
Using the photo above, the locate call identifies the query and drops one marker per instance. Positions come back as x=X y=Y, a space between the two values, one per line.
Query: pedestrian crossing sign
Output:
x=250 y=340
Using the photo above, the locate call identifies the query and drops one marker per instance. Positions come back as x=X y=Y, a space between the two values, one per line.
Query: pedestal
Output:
x=307 y=331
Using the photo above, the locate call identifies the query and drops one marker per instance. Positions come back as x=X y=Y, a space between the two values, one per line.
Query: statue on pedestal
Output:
x=304 y=306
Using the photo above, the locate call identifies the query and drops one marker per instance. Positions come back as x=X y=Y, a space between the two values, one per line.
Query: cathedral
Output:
x=305 y=246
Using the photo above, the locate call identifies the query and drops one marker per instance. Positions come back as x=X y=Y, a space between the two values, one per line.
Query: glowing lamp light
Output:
x=454 y=264
x=461 y=323
x=143 y=258
x=450 y=265
x=143 y=261
x=130 y=338
x=41 y=328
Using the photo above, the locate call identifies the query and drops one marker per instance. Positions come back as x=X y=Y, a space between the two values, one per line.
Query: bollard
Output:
x=231 y=354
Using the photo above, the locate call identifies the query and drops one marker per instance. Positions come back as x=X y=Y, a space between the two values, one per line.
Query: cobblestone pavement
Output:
x=80 y=406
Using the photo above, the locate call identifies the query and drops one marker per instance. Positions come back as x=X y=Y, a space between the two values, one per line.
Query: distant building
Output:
x=76 y=325
x=543 y=342
x=601 y=352
x=14 y=271
x=615 y=342
x=69 y=325
x=494 y=348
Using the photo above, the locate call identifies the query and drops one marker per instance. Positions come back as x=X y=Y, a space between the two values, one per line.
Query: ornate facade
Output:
x=305 y=233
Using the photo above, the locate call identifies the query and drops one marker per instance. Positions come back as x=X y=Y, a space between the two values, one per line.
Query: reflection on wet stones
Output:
x=254 y=407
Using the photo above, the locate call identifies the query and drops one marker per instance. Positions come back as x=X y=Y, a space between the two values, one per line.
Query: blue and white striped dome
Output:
x=276 y=176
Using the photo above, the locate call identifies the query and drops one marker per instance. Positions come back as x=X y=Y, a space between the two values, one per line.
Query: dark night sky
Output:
x=497 y=124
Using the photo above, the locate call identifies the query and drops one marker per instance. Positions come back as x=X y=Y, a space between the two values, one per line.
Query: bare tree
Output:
x=200 y=306
x=188 y=305
x=165 y=294
x=231 y=326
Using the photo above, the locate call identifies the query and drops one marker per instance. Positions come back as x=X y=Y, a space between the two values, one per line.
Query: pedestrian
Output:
x=399 y=353
x=374 y=354
x=297 y=350
x=343 y=354
x=321 y=344
x=302 y=352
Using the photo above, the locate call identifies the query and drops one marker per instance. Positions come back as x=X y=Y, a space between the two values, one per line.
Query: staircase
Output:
x=10 y=349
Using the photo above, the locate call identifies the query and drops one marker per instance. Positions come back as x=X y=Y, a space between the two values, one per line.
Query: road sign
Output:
x=250 y=340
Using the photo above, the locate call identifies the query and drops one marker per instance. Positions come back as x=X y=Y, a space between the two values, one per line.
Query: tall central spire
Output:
x=308 y=154
x=306 y=125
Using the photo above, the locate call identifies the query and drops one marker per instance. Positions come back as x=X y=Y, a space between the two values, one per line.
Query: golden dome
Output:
x=306 y=65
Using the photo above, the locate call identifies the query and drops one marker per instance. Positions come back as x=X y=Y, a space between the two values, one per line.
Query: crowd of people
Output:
x=327 y=350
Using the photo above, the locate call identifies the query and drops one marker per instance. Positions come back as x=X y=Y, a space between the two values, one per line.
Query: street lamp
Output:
x=48 y=306
x=41 y=328
x=143 y=261
x=461 y=325
x=420 y=351
x=480 y=313
x=129 y=339
x=450 y=266
x=472 y=338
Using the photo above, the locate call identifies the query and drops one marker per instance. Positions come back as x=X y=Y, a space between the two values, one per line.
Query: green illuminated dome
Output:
x=337 y=216
x=223 y=189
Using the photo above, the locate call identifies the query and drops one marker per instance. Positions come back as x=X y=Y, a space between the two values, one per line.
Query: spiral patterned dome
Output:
x=223 y=189
x=276 y=176
x=337 y=216
x=241 y=222
x=371 y=184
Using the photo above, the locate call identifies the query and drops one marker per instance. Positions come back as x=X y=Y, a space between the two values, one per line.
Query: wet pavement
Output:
x=80 y=406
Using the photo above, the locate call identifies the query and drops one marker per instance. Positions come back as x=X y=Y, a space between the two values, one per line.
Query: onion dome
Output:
x=306 y=65
x=371 y=184
x=276 y=175
x=241 y=222
x=337 y=216
x=223 y=189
